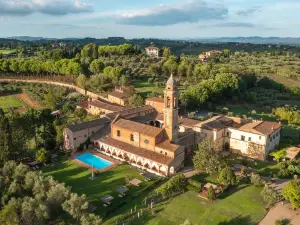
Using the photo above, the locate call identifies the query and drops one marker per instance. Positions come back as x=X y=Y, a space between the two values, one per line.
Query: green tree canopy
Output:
x=208 y=157
x=291 y=192
x=227 y=177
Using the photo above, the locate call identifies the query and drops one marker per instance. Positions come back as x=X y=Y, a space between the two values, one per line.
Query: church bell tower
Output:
x=171 y=109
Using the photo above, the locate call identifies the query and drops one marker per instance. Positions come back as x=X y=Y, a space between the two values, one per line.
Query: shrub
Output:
x=269 y=195
x=256 y=180
x=227 y=177
x=175 y=184
x=195 y=183
x=283 y=173
x=193 y=188
x=211 y=195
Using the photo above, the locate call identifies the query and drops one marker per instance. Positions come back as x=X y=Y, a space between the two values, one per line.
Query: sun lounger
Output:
x=105 y=205
x=121 y=196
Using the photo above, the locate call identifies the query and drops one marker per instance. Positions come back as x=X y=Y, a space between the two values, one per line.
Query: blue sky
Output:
x=149 y=18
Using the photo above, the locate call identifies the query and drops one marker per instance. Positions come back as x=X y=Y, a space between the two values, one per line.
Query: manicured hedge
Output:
x=195 y=183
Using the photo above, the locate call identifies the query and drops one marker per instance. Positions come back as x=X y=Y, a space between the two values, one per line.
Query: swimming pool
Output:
x=93 y=160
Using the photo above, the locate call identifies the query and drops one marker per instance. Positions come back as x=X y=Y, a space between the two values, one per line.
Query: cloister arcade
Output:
x=135 y=160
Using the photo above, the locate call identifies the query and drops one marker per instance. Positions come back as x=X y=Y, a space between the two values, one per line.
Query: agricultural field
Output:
x=10 y=101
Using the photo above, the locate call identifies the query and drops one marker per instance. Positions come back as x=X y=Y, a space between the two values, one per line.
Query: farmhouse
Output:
x=152 y=51
x=206 y=55
x=250 y=137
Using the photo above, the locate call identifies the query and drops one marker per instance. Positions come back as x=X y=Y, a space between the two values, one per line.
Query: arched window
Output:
x=168 y=102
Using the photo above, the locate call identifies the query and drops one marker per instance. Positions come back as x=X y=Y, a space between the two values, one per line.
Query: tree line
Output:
x=29 y=198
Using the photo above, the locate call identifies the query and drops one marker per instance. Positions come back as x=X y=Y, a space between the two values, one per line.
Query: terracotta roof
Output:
x=152 y=47
x=138 y=127
x=215 y=123
x=89 y=124
x=250 y=127
x=83 y=104
x=117 y=94
x=101 y=133
x=154 y=156
x=261 y=127
x=127 y=113
x=221 y=121
x=168 y=146
x=104 y=105
x=155 y=99
x=267 y=127
x=188 y=122
x=292 y=152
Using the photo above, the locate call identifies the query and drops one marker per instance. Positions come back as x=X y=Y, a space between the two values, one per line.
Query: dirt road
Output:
x=27 y=100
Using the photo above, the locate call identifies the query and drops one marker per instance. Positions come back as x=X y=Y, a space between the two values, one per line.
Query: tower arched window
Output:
x=168 y=102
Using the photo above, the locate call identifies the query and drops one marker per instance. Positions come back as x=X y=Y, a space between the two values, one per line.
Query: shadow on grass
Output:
x=232 y=190
x=240 y=220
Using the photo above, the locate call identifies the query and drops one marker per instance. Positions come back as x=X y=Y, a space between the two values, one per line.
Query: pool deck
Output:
x=113 y=161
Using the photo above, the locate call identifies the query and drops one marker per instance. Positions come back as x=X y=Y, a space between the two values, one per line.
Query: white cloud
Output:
x=191 y=11
x=50 y=7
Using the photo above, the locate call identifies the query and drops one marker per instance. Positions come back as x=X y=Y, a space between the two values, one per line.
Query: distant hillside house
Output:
x=152 y=51
x=206 y=55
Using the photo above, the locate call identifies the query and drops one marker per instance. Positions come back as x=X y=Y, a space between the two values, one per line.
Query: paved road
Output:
x=279 y=212
x=189 y=171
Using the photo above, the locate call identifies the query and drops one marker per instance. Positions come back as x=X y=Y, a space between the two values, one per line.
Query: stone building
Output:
x=253 y=138
x=157 y=103
x=152 y=51
x=97 y=107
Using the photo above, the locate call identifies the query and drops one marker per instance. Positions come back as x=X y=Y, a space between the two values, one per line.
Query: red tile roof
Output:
x=167 y=145
x=104 y=105
x=153 y=156
x=84 y=104
x=155 y=99
x=117 y=94
x=188 y=122
x=267 y=127
x=152 y=48
x=128 y=113
x=138 y=127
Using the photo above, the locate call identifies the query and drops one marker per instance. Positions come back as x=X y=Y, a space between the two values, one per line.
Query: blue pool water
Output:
x=93 y=160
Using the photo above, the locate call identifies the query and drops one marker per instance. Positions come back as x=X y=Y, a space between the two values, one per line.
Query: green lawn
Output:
x=144 y=88
x=7 y=51
x=244 y=207
x=7 y=102
x=106 y=183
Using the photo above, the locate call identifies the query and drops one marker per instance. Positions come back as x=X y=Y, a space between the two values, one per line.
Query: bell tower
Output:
x=171 y=109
